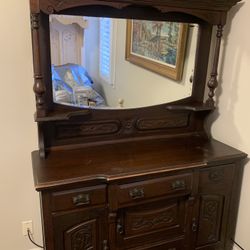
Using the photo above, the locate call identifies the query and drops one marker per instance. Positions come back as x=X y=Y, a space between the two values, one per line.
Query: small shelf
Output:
x=61 y=115
x=192 y=107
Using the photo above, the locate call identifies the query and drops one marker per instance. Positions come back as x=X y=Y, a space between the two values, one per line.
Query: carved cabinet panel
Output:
x=151 y=223
x=215 y=187
x=79 y=230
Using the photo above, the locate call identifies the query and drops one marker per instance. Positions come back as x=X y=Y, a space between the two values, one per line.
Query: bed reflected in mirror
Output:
x=119 y=63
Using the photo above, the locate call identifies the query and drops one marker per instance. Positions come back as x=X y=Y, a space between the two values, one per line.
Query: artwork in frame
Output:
x=157 y=46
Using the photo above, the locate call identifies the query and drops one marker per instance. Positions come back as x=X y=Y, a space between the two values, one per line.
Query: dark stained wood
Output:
x=213 y=82
x=67 y=127
x=140 y=179
x=125 y=160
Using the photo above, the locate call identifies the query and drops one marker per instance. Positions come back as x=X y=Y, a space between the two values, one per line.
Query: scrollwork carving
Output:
x=87 y=129
x=163 y=218
x=210 y=218
x=34 y=19
x=82 y=239
x=216 y=175
x=164 y=123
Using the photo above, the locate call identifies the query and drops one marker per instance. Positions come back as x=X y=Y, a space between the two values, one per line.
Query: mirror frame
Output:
x=63 y=126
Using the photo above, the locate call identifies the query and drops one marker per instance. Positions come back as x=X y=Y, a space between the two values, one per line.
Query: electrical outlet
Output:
x=27 y=225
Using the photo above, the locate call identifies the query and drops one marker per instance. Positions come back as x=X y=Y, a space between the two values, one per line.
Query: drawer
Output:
x=139 y=191
x=172 y=245
x=152 y=222
x=71 y=199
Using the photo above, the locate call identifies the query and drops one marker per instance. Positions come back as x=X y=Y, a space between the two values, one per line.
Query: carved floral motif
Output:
x=162 y=218
x=164 y=123
x=82 y=239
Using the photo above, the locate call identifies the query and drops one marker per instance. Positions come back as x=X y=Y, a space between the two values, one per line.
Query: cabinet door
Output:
x=80 y=230
x=215 y=187
x=151 y=224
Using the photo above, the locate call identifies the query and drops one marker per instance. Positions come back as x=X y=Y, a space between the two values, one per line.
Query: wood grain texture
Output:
x=125 y=160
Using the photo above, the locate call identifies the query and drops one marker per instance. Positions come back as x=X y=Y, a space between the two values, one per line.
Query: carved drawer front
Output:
x=139 y=191
x=152 y=222
x=77 y=198
x=173 y=245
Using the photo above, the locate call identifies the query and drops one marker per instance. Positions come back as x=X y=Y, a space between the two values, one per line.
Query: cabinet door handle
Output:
x=105 y=245
x=194 y=225
x=136 y=193
x=81 y=199
x=119 y=227
x=178 y=184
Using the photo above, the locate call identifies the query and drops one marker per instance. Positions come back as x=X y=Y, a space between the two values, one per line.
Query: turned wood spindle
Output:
x=213 y=81
x=39 y=87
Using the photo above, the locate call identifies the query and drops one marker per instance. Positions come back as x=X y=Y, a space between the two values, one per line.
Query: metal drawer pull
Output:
x=179 y=184
x=81 y=199
x=119 y=227
x=136 y=193
x=194 y=225
x=105 y=245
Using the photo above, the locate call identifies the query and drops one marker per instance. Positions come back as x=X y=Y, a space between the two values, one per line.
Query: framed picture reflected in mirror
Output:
x=157 y=46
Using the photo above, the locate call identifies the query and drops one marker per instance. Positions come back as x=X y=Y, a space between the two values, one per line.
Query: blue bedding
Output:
x=71 y=82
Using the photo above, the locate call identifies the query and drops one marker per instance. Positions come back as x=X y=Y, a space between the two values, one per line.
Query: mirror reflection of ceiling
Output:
x=116 y=63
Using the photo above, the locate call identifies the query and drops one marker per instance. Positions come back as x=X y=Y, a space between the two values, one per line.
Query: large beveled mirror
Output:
x=120 y=63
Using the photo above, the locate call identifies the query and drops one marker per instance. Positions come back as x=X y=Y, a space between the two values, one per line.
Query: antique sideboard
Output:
x=142 y=178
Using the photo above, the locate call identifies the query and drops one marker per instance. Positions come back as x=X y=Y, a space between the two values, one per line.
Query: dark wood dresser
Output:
x=149 y=178
x=159 y=194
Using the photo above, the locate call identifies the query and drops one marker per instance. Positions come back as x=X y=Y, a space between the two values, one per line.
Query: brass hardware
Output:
x=178 y=184
x=105 y=245
x=119 y=227
x=194 y=225
x=136 y=193
x=81 y=199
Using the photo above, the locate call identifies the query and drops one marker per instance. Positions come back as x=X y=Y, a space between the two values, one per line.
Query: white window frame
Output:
x=113 y=32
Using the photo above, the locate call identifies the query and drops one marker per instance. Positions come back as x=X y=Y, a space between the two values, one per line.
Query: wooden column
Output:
x=39 y=86
x=213 y=81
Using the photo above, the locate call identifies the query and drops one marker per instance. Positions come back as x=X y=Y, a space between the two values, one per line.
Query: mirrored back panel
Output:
x=119 y=63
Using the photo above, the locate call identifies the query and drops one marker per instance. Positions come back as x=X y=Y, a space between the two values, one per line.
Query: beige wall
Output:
x=18 y=200
x=232 y=126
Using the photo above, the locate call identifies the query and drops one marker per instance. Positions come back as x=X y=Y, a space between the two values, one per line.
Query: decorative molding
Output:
x=38 y=87
x=86 y=129
x=142 y=223
x=174 y=121
x=81 y=237
x=148 y=220
x=51 y=6
x=34 y=20
x=210 y=219
x=216 y=175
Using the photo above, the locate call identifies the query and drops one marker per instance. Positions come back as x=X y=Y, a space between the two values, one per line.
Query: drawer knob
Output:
x=178 y=184
x=136 y=193
x=81 y=199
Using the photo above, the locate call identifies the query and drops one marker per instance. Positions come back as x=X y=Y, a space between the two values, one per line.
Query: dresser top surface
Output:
x=116 y=162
